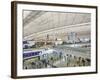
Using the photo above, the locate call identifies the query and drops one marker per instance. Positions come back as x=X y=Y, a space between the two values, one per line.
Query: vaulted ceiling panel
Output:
x=42 y=21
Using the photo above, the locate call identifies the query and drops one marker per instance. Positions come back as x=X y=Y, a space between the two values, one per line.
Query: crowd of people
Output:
x=39 y=64
x=73 y=61
x=68 y=60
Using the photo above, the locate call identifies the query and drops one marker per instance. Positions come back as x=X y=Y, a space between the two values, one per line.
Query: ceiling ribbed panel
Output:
x=41 y=21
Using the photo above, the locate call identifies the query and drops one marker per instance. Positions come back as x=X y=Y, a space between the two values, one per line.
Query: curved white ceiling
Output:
x=37 y=24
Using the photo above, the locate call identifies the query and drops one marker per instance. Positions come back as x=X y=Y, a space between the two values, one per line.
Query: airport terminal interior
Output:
x=56 y=39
